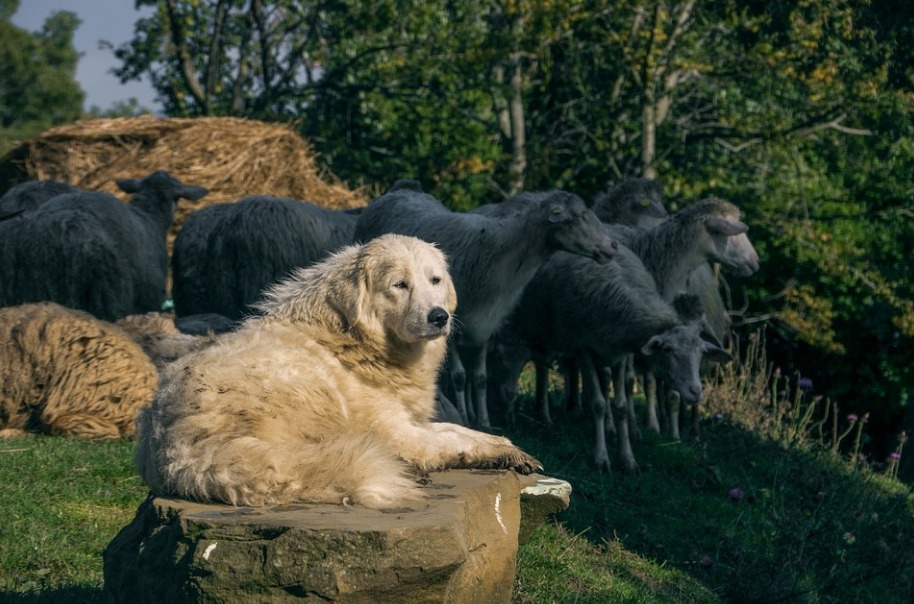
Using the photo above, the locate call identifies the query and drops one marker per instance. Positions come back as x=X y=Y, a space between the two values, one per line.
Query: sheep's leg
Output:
x=593 y=394
x=628 y=383
x=458 y=376
x=572 y=384
x=626 y=455
x=694 y=432
x=478 y=386
x=662 y=406
x=542 y=389
x=605 y=378
x=650 y=394
x=673 y=407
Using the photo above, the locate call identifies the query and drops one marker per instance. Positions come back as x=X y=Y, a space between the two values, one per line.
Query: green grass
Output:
x=810 y=528
x=62 y=500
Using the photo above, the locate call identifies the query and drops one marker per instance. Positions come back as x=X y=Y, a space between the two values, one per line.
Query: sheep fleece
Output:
x=67 y=373
x=326 y=397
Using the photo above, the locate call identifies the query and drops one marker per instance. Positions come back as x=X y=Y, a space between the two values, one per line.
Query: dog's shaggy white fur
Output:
x=325 y=398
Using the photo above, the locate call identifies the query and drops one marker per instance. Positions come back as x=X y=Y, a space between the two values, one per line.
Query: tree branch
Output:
x=185 y=62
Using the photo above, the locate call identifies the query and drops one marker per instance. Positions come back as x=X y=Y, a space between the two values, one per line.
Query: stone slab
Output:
x=457 y=545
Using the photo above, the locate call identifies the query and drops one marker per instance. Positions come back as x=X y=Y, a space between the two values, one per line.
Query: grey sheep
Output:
x=67 y=373
x=603 y=313
x=492 y=258
x=90 y=251
x=226 y=255
x=677 y=251
x=708 y=231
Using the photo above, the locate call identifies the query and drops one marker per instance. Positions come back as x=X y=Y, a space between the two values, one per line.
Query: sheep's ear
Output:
x=653 y=346
x=192 y=192
x=707 y=334
x=716 y=224
x=558 y=213
x=128 y=185
x=710 y=352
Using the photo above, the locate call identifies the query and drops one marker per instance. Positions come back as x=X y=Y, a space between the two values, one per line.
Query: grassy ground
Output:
x=804 y=525
x=62 y=500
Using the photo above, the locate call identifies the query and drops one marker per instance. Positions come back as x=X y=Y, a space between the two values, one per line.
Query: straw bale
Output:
x=232 y=157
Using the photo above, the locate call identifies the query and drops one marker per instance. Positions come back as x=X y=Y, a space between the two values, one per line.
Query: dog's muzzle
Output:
x=438 y=317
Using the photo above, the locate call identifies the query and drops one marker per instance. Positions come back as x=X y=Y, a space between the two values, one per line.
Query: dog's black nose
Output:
x=438 y=317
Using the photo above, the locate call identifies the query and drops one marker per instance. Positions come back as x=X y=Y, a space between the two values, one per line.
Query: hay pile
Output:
x=231 y=157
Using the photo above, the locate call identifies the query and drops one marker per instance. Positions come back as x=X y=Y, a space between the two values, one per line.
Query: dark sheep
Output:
x=90 y=251
x=226 y=255
x=677 y=251
x=492 y=258
x=29 y=195
x=634 y=201
x=603 y=313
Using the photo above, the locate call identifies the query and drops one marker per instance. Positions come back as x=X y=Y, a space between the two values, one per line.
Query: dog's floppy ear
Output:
x=360 y=311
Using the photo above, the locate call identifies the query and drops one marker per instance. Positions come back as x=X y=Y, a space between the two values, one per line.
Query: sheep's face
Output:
x=676 y=355
x=729 y=244
x=636 y=202
x=574 y=228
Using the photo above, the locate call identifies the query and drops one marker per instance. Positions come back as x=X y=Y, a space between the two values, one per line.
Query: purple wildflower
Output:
x=894 y=456
x=852 y=417
x=706 y=561
x=736 y=494
x=804 y=383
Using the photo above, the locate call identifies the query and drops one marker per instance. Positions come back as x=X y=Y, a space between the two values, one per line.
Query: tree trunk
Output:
x=518 y=168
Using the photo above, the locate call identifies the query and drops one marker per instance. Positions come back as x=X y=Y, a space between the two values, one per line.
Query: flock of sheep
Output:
x=607 y=289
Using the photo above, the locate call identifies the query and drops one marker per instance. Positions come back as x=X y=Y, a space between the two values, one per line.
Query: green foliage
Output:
x=800 y=112
x=129 y=108
x=38 y=88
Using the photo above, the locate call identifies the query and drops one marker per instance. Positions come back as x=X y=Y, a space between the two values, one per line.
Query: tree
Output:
x=226 y=57
x=800 y=112
x=38 y=87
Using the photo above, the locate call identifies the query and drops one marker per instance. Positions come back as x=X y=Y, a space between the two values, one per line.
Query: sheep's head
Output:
x=727 y=239
x=161 y=185
x=676 y=356
x=636 y=202
x=574 y=228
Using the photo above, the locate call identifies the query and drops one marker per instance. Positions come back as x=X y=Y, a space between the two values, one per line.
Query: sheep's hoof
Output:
x=603 y=465
x=631 y=468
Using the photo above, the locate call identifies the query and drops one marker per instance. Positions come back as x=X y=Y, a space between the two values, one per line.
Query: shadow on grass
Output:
x=750 y=519
x=67 y=595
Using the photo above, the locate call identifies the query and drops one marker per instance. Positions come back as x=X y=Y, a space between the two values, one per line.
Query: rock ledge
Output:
x=457 y=545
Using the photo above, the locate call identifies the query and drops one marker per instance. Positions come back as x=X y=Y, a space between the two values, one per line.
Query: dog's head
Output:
x=404 y=289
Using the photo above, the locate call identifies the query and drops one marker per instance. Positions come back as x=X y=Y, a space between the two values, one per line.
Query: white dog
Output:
x=327 y=397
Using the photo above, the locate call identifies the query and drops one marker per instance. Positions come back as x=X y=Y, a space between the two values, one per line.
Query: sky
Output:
x=110 y=20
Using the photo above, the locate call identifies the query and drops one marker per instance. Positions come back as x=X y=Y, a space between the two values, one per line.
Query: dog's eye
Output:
x=401 y=284
x=436 y=280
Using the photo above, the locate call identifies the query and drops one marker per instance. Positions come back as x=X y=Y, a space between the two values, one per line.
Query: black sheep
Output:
x=226 y=255
x=90 y=251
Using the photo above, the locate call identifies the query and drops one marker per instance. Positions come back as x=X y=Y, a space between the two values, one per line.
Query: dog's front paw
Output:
x=519 y=461
x=526 y=464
